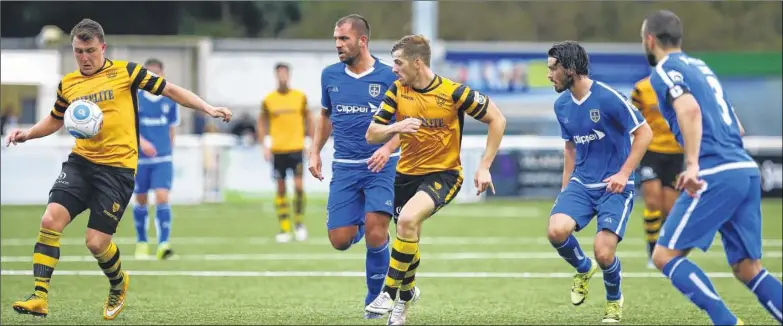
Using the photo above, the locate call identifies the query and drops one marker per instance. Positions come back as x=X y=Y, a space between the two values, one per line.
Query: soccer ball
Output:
x=83 y=119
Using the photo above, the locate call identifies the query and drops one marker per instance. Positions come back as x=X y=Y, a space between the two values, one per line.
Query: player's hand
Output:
x=267 y=154
x=219 y=112
x=147 y=148
x=616 y=183
x=483 y=180
x=689 y=181
x=378 y=159
x=16 y=137
x=314 y=165
x=408 y=126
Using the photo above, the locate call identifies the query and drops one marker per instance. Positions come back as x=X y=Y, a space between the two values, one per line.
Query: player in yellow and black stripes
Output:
x=660 y=165
x=430 y=111
x=99 y=173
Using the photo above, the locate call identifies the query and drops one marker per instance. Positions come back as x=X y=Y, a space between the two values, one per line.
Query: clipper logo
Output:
x=596 y=135
x=350 y=109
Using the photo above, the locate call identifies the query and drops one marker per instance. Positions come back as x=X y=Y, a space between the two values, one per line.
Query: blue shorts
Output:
x=355 y=191
x=729 y=203
x=582 y=204
x=153 y=176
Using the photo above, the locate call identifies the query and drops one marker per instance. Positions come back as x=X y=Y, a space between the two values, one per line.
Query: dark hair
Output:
x=358 y=23
x=571 y=56
x=86 y=30
x=665 y=26
x=153 y=62
x=281 y=65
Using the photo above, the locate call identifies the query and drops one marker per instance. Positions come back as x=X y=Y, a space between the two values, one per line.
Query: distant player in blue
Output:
x=597 y=123
x=158 y=118
x=722 y=183
x=361 y=192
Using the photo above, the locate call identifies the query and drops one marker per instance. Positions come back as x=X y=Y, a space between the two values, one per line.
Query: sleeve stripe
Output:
x=457 y=94
x=381 y=120
x=62 y=99
x=468 y=102
x=392 y=89
x=55 y=115
x=662 y=74
x=60 y=107
x=627 y=106
x=481 y=111
x=388 y=101
x=160 y=88
x=385 y=115
x=150 y=84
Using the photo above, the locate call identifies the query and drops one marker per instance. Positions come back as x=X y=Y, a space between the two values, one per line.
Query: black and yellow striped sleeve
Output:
x=636 y=98
x=470 y=101
x=60 y=105
x=388 y=106
x=141 y=78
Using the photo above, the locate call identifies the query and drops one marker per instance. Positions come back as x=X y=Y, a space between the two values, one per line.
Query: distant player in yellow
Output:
x=99 y=173
x=660 y=165
x=430 y=111
x=285 y=110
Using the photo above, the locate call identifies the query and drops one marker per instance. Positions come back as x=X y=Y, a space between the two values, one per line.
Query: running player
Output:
x=362 y=187
x=598 y=125
x=430 y=110
x=660 y=165
x=158 y=120
x=285 y=110
x=99 y=173
x=722 y=183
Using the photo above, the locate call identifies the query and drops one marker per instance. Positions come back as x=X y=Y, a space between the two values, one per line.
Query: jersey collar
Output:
x=106 y=64
x=364 y=73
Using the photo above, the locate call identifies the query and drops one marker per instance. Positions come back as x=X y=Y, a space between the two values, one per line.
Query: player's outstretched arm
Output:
x=497 y=126
x=569 y=159
x=187 y=98
x=47 y=126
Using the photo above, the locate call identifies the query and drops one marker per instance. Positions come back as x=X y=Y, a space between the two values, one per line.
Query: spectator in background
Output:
x=245 y=129
x=8 y=118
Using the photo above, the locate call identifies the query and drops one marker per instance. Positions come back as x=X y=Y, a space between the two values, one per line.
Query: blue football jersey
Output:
x=157 y=114
x=351 y=101
x=677 y=74
x=601 y=127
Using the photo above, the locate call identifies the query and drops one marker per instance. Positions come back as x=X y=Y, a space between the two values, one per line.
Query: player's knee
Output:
x=745 y=270
x=560 y=227
x=604 y=255
x=161 y=196
x=342 y=238
x=55 y=218
x=407 y=226
x=141 y=199
x=662 y=256
x=376 y=237
x=97 y=241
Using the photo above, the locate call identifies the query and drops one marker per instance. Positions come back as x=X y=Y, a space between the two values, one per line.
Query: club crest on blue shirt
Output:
x=375 y=90
x=595 y=115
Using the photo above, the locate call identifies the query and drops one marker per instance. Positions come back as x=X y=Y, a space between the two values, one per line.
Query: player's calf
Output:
x=766 y=287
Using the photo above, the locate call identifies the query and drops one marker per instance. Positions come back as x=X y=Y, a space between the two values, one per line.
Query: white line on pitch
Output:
x=451 y=241
x=342 y=274
x=351 y=256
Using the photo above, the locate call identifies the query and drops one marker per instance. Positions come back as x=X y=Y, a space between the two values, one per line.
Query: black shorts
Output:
x=660 y=166
x=104 y=190
x=442 y=187
x=283 y=162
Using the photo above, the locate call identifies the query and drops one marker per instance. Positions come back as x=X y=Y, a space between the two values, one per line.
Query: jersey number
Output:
x=718 y=90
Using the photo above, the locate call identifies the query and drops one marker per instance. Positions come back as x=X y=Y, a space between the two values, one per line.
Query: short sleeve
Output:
x=60 y=105
x=470 y=101
x=141 y=78
x=326 y=102
x=386 y=112
x=621 y=110
x=563 y=131
x=671 y=84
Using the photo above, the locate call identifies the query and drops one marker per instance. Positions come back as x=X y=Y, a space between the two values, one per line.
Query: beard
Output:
x=349 y=60
x=567 y=82
x=651 y=60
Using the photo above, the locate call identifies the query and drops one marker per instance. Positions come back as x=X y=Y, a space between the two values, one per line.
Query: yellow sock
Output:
x=653 y=220
x=281 y=205
x=299 y=200
x=110 y=263
x=402 y=255
x=45 y=257
x=406 y=289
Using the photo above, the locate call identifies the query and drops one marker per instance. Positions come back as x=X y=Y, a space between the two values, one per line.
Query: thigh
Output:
x=694 y=221
x=576 y=202
x=741 y=235
x=648 y=167
x=279 y=166
x=161 y=175
x=143 y=179
x=442 y=187
x=378 y=189
x=113 y=191
x=614 y=210
x=72 y=188
x=345 y=204
x=405 y=186
x=670 y=167
x=295 y=163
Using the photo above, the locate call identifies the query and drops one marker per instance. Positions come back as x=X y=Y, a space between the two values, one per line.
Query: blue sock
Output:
x=691 y=281
x=612 y=280
x=573 y=254
x=359 y=234
x=163 y=220
x=140 y=221
x=376 y=265
x=770 y=293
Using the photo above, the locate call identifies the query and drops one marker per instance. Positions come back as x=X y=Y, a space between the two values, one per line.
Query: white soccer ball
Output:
x=83 y=119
